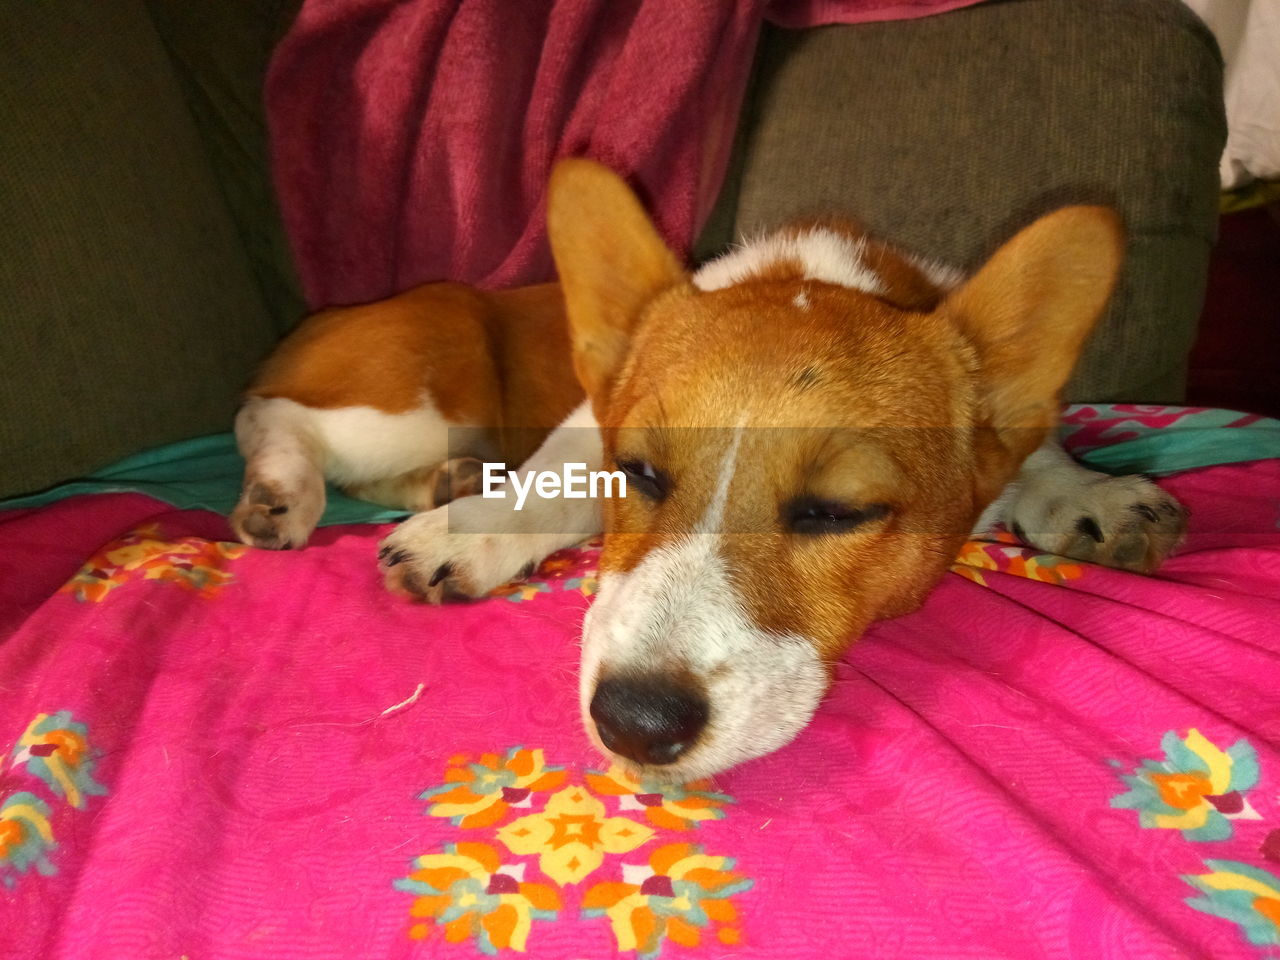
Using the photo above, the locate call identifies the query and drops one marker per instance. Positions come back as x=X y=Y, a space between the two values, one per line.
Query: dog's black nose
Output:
x=652 y=720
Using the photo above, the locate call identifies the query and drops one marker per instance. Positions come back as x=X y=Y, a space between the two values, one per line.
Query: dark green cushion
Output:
x=220 y=53
x=947 y=133
x=131 y=314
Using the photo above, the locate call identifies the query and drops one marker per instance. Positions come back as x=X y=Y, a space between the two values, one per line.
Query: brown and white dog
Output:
x=810 y=426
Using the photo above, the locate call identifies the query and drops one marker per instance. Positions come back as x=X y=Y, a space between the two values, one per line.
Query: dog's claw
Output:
x=1089 y=527
x=1147 y=513
x=429 y=560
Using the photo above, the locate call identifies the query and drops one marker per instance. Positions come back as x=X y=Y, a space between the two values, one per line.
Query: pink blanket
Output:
x=210 y=752
x=413 y=141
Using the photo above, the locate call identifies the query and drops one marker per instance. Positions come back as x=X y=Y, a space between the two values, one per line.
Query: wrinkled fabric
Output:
x=211 y=751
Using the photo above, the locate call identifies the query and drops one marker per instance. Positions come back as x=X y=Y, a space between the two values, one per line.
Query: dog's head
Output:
x=809 y=428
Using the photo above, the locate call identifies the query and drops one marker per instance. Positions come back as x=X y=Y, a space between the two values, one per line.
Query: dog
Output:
x=809 y=428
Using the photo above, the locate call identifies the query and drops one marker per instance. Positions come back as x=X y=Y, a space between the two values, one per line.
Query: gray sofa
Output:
x=143 y=271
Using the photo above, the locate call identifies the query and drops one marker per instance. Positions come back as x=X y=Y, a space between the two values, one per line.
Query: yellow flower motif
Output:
x=587 y=584
x=25 y=836
x=56 y=749
x=572 y=835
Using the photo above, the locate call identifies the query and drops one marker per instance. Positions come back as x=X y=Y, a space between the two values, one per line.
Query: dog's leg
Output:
x=283 y=494
x=423 y=489
x=1057 y=505
x=477 y=543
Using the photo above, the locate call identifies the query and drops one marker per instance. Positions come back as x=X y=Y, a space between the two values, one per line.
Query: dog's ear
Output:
x=1028 y=311
x=611 y=261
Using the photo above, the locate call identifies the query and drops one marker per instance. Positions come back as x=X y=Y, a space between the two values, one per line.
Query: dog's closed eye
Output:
x=812 y=516
x=645 y=478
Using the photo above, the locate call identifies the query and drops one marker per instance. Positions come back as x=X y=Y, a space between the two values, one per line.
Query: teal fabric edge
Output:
x=200 y=474
x=205 y=473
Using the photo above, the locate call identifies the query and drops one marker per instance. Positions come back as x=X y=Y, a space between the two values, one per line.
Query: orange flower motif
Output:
x=558 y=562
x=480 y=794
x=192 y=562
x=671 y=806
x=681 y=895
x=471 y=895
x=518 y=591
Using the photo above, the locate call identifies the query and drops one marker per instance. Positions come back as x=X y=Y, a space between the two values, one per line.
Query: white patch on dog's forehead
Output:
x=823 y=254
x=941 y=275
x=679 y=610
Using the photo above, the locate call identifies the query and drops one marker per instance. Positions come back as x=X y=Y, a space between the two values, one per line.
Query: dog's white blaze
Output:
x=714 y=517
x=823 y=254
x=679 y=609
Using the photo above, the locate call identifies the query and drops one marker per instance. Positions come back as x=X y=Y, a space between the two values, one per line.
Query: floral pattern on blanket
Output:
x=1197 y=788
x=191 y=562
x=1005 y=553
x=955 y=786
x=471 y=894
x=1244 y=894
x=531 y=816
x=25 y=836
x=571 y=569
x=55 y=750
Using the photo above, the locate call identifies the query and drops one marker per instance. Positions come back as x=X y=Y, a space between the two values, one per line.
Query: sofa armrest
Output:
x=131 y=314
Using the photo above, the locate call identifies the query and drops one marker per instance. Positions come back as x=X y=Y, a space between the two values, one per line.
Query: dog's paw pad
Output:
x=444 y=584
x=1125 y=522
x=427 y=561
x=270 y=518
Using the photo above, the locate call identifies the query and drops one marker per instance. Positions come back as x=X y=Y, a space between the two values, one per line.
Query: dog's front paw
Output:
x=1125 y=522
x=275 y=516
x=428 y=558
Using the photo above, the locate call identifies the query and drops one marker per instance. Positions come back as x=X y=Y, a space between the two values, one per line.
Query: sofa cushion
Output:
x=131 y=314
x=948 y=133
